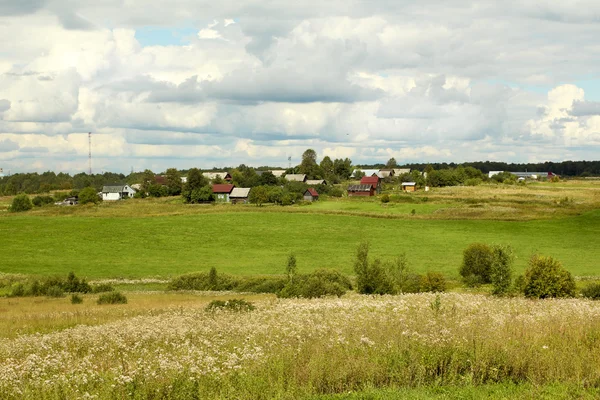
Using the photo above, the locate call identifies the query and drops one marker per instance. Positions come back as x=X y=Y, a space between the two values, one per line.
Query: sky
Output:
x=195 y=83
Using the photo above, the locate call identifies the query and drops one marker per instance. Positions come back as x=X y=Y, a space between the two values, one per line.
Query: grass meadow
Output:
x=410 y=346
x=259 y=242
x=165 y=345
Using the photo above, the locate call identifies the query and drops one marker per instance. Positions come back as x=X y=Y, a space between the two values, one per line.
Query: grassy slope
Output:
x=258 y=243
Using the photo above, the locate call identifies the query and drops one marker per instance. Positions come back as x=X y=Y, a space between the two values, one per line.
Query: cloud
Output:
x=253 y=82
x=8 y=145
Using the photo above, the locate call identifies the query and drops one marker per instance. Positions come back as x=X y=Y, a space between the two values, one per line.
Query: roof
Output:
x=222 y=188
x=360 y=188
x=372 y=180
x=367 y=172
x=113 y=188
x=400 y=171
x=384 y=173
x=161 y=180
x=409 y=183
x=278 y=172
x=312 y=192
x=213 y=175
x=296 y=177
x=316 y=182
x=240 y=192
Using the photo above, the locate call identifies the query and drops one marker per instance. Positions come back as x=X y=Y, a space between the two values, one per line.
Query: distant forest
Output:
x=47 y=181
x=565 y=168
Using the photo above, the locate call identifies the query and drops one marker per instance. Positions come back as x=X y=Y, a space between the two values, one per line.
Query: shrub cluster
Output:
x=320 y=283
x=20 y=203
x=54 y=286
x=112 y=298
x=591 y=291
x=392 y=277
x=546 y=277
x=40 y=201
x=236 y=305
x=102 y=288
x=221 y=282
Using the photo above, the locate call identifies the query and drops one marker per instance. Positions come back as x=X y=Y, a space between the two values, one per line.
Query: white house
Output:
x=117 y=192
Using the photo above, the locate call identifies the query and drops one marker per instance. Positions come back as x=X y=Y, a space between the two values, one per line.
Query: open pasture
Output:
x=163 y=238
x=416 y=344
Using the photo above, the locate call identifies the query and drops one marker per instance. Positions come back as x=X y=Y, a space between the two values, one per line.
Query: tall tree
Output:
x=327 y=166
x=391 y=163
x=309 y=165
x=174 y=184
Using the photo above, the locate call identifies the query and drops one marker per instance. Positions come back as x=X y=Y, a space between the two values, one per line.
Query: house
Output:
x=409 y=186
x=401 y=171
x=385 y=173
x=117 y=191
x=184 y=179
x=311 y=195
x=361 y=190
x=373 y=181
x=222 y=191
x=239 y=195
x=296 y=178
x=278 y=172
x=367 y=172
x=316 y=182
x=211 y=176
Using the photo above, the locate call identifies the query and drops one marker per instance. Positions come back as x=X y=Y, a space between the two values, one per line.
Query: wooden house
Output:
x=222 y=191
x=361 y=190
x=311 y=195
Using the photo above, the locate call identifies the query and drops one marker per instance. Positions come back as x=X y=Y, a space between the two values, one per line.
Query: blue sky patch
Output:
x=161 y=36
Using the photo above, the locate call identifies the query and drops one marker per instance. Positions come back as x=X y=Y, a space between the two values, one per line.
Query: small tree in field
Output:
x=477 y=264
x=291 y=268
x=21 y=203
x=546 y=277
x=259 y=195
x=371 y=278
x=88 y=195
x=501 y=270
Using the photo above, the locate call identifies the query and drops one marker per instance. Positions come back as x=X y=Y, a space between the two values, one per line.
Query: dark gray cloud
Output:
x=4 y=105
x=20 y=7
x=7 y=145
x=585 y=108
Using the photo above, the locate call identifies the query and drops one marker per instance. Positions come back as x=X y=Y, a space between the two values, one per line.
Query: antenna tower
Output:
x=90 y=152
x=290 y=162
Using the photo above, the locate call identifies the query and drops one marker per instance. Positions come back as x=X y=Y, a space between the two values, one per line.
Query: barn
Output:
x=373 y=181
x=311 y=195
x=409 y=186
x=361 y=190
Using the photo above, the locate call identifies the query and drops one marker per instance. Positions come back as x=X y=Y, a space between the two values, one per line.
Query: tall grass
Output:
x=293 y=348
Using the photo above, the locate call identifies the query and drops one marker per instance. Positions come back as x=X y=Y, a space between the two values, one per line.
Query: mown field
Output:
x=259 y=242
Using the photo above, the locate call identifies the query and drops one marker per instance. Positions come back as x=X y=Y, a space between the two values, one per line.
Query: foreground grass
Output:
x=354 y=347
x=494 y=391
x=259 y=242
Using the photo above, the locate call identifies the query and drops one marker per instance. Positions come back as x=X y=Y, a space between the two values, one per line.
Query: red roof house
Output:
x=222 y=192
x=374 y=181
x=311 y=195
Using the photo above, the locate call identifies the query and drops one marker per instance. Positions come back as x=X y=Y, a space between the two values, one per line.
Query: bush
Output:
x=477 y=264
x=473 y=182
x=258 y=284
x=591 y=291
x=76 y=299
x=88 y=195
x=433 y=282
x=320 y=283
x=55 y=291
x=546 y=278
x=203 y=281
x=385 y=198
x=102 y=288
x=371 y=278
x=21 y=203
x=501 y=270
x=39 y=201
x=236 y=305
x=112 y=298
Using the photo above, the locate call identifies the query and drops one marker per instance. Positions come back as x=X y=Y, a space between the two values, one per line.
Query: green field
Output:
x=259 y=242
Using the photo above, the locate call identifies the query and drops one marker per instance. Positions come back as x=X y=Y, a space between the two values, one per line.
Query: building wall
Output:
x=361 y=193
x=111 y=196
x=308 y=197
x=408 y=188
x=222 y=197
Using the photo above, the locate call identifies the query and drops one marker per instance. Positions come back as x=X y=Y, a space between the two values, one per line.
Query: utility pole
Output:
x=90 y=152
